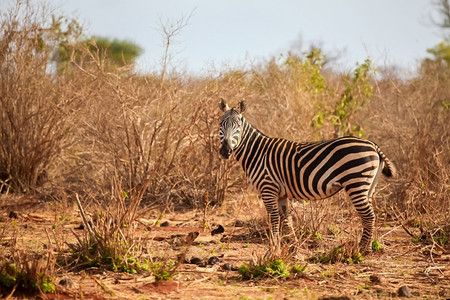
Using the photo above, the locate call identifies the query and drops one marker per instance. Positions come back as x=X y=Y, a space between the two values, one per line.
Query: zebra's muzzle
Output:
x=225 y=150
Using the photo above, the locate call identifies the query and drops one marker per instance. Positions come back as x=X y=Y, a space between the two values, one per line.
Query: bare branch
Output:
x=443 y=7
x=169 y=30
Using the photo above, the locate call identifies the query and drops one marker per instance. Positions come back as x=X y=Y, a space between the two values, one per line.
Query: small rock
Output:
x=404 y=292
x=218 y=230
x=213 y=260
x=238 y=223
x=66 y=282
x=375 y=278
x=198 y=261
x=227 y=267
x=164 y=224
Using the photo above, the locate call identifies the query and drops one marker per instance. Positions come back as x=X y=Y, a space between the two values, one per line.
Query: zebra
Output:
x=281 y=170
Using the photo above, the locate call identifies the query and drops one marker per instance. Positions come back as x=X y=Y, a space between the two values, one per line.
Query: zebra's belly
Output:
x=331 y=189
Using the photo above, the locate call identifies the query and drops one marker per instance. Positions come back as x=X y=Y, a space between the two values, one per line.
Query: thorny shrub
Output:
x=35 y=105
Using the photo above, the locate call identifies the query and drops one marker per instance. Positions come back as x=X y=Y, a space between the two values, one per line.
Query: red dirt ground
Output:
x=401 y=263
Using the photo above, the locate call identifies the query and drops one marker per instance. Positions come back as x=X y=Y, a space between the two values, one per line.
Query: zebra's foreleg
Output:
x=286 y=217
x=273 y=213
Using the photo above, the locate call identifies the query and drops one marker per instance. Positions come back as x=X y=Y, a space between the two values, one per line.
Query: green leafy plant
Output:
x=309 y=66
x=298 y=271
x=271 y=268
x=358 y=91
x=28 y=277
x=442 y=238
x=376 y=245
x=339 y=254
x=47 y=285
x=163 y=270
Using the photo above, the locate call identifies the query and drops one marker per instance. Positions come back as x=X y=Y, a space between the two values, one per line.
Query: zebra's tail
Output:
x=389 y=170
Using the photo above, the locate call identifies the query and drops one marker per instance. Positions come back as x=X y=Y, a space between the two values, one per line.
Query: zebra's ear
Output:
x=241 y=106
x=223 y=105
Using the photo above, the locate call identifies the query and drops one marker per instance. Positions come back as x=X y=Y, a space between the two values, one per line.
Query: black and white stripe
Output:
x=280 y=169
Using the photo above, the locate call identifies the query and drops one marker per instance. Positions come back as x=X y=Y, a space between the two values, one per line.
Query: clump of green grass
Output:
x=110 y=239
x=119 y=264
x=440 y=237
x=341 y=254
x=298 y=271
x=163 y=270
x=376 y=245
x=28 y=277
x=276 y=268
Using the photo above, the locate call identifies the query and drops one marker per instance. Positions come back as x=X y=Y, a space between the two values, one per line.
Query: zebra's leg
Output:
x=362 y=202
x=271 y=204
x=368 y=221
x=365 y=210
x=286 y=217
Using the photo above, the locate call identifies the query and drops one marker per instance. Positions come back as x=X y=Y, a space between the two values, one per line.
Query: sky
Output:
x=231 y=33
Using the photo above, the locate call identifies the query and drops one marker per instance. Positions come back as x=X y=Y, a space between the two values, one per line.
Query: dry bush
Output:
x=132 y=127
x=35 y=106
x=410 y=119
x=105 y=121
x=286 y=91
x=111 y=239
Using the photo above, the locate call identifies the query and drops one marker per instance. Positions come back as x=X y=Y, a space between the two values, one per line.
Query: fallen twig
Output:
x=431 y=252
x=390 y=231
x=428 y=269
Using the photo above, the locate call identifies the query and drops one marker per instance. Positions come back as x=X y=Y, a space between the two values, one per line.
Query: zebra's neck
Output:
x=251 y=139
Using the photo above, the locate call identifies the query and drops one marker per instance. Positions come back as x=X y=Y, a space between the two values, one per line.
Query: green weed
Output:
x=272 y=269
x=163 y=270
x=298 y=271
x=376 y=245
x=24 y=278
x=339 y=254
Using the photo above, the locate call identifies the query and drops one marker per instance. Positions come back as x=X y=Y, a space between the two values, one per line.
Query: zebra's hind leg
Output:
x=285 y=209
x=362 y=202
x=368 y=221
x=361 y=195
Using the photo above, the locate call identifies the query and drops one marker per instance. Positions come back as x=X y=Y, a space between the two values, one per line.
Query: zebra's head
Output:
x=231 y=126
